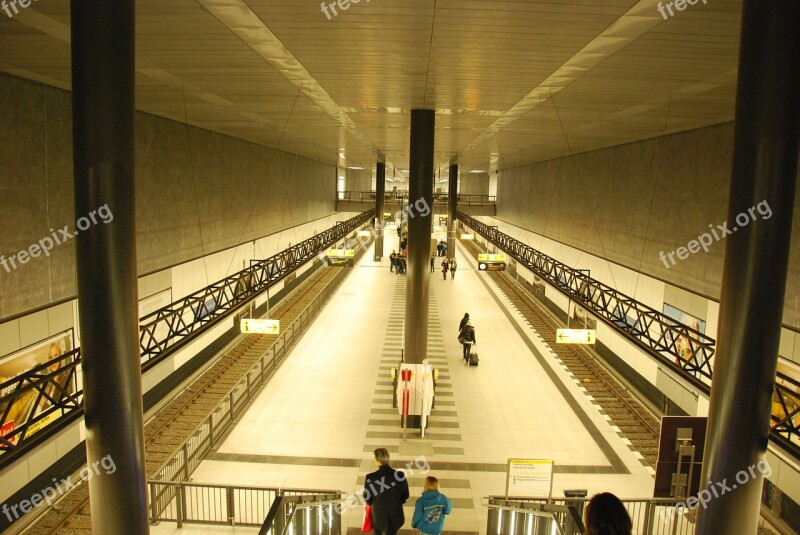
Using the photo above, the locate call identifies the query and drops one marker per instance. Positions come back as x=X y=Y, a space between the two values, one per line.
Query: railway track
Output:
x=635 y=420
x=173 y=423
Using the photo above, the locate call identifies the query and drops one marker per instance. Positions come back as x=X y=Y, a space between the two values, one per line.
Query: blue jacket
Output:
x=429 y=512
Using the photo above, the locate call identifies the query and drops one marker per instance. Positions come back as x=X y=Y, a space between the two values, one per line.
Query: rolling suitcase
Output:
x=473 y=359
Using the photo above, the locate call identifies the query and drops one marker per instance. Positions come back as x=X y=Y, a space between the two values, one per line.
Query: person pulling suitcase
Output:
x=467 y=338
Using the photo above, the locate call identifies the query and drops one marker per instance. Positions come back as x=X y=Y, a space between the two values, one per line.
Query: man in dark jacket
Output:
x=386 y=490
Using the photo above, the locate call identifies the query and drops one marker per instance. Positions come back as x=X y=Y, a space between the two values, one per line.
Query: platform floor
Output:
x=330 y=405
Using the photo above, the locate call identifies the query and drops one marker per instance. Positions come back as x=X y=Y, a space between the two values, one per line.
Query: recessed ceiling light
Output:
x=477 y=171
x=355 y=167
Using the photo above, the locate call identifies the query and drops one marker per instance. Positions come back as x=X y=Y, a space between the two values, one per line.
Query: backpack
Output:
x=469 y=333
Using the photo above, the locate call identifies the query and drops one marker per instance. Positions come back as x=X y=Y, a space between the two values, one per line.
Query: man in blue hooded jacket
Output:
x=430 y=508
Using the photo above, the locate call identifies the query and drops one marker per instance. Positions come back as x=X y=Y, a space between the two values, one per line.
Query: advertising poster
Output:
x=19 y=410
x=683 y=344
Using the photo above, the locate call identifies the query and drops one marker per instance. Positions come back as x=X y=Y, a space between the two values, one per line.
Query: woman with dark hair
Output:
x=605 y=515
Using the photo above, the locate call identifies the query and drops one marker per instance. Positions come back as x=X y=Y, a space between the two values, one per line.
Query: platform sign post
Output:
x=576 y=336
x=530 y=478
x=260 y=326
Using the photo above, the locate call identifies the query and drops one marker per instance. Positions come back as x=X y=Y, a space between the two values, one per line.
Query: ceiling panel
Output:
x=512 y=82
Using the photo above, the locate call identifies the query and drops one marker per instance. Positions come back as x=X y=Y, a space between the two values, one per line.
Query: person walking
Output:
x=433 y=261
x=430 y=509
x=453 y=267
x=386 y=490
x=444 y=269
x=467 y=338
x=463 y=322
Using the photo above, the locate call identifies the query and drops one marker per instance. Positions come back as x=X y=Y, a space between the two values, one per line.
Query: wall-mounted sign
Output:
x=485 y=257
x=364 y=233
x=341 y=253
x=468 y=236
x=575 y=336
x=260 y=326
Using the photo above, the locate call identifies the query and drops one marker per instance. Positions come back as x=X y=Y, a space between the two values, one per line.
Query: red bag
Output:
x=367 y=528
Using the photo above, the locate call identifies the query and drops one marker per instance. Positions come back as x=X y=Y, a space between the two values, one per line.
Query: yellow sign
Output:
x=342 y=253
x=387 y=214
x=364 y=233
x=468 y=236
x=260 y=326
x=482 y=257
x=575 y=336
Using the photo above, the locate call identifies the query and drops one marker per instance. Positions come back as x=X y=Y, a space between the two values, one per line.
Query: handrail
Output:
x=161 y=332
x=550 y=515
x=653 y=331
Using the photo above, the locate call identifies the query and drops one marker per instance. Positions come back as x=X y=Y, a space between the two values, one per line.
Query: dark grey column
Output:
x=380 y=189
x=452 y=208
x=420 y=206
x=766 y=138
x=103 y=143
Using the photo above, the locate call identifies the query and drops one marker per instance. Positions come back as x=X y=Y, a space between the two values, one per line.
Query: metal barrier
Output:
x=56 y=384
x=320 y=515
x=516 y=516
x=224 y=505
x=654 y=332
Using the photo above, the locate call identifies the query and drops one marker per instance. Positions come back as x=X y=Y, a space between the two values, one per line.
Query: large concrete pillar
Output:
x=103 y=148
x=766 y=138
x=380 y=188
x=452 y=208
x=103 y=154
x=420 y=207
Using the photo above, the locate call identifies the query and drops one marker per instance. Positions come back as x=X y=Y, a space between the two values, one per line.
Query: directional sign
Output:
x=258 y=326
x=468 y=236
x=339 y=253
x=482 y=257
x=364 y=233
x=575 y=336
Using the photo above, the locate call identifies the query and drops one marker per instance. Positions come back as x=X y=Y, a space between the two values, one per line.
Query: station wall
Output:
x=626 y=204
x=197 y=192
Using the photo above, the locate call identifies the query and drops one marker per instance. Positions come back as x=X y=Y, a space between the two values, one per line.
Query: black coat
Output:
x=386 y=490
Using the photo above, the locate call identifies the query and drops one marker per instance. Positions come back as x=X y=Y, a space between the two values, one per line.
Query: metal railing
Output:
x=223 y=505
x=649 y=516
x=186 y=457
x=55 y=388
x=369 y=196
x=683 y=349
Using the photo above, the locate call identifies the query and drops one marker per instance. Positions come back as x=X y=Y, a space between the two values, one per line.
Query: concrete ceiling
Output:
x=512 y=82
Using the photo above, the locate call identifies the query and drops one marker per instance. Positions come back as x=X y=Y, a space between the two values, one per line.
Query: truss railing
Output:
x=175 y=322
x=683 y=349
x=52 y=392
x=674 y=343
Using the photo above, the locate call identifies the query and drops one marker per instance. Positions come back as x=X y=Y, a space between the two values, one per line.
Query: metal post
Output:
x=419 y=235
x=452 y=208
x=102 y=36
x=380 y=190
x=766 y=138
